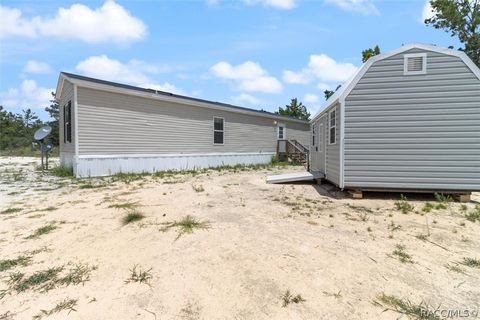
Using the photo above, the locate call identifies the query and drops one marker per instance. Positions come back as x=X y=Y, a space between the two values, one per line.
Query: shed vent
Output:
x=415 y=63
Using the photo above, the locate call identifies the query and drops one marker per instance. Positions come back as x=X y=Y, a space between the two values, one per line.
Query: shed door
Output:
x=318 y=145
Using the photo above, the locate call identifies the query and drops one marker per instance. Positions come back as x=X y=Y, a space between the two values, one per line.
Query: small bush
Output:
x=139 y=275
x=62 y=171
x=41 y=231
x=66 y=304
x=186 y=225
x=11 y=210
x=400 y=253
x=428 y=207
x=474 y=215
x=443 y=200
x=471 y=262
x=420 y=311
x=12 y=263
x=403 y=205
x=289 y=298
x=132 y=217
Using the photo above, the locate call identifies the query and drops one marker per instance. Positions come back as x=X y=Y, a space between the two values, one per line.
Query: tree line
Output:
x=17 y=129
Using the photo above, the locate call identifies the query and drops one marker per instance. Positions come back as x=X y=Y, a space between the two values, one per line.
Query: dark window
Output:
x=218 y=130
x=67 y=122
x=333 y=126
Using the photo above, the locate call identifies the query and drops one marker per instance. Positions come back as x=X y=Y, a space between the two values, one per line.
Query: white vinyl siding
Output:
x=117 y=123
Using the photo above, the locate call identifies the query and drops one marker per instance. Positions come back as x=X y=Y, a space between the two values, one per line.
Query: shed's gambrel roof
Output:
x=99 y=84
x=345 y=89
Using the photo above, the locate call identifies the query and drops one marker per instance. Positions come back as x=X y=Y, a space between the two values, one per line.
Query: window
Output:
x=332 y=118
x=218 y=130
x=281 y=131
x=320 y=138
x=415 y=63
x=67 y=122
x=313 y=136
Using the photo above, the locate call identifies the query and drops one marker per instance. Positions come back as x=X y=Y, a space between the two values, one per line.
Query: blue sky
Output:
x=253 y=53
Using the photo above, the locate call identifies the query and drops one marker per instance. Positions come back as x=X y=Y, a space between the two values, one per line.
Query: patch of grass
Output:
x=66 y=304
x=51 y=208
x=427 y=207
x=50 y=278
x=187 y=225
x=90 y=185
x=12 y=263
x=471 y=262
x=474 y=215
x=198 y=188
x=422 y=237
x=128 y=177
x=125 y=205
x=11 y=210
x=41 y=231
x=463 y=208
x=443 y=201
x=132 y=216
x=403 y=205
x=361 y=209
x=62 y=171
x=454 y=268
x=401 y=254
x=139 y=275
x=420 y=311
x=41 y=280
x=288 y=298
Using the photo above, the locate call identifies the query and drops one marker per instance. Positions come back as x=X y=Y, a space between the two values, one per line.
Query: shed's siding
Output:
x=414 y=131
x=120 y=124
x=67 y=95
x=333 y=150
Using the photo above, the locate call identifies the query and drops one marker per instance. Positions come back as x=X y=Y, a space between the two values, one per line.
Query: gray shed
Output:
x=408 y=120
x=108 y=127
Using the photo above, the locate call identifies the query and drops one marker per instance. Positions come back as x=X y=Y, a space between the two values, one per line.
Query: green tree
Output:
x=295 y=109
x=329 y=93
x=370 y=52
x=461 y=18
x=54 y=112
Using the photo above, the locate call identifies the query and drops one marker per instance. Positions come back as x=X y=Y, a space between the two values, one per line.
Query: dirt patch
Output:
x=340 y=255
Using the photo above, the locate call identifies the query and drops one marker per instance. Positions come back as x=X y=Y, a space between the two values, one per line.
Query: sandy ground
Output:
x=262 y=240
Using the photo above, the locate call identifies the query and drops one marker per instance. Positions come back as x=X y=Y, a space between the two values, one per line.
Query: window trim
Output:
x=284 y=131
x=330 y=126
x=222 y=131
x=314 y=132
x=414 y=55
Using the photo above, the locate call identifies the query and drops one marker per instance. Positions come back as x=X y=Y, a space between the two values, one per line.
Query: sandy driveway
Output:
x=262 y=240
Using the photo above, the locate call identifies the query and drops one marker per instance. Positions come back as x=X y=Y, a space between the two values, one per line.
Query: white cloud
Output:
x=247 y=99
x=296 y=77
x=135 y=72
x=33 y=66
x=310 y=98
x=248 y=76
x=28 y=95
x=427 y=12
x=366 y=7
x=321 y=68
x=279 y=4
x=108 y=23
x=166 y=86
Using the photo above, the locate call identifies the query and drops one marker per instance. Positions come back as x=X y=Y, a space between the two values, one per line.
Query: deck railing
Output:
x=293 y=150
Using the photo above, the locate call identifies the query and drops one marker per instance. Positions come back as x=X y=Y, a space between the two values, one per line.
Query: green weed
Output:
x=186 y=225
x=403 y=205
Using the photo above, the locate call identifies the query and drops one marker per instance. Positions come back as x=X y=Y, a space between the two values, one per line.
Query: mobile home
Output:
x=408 y=120
x=107 y=127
